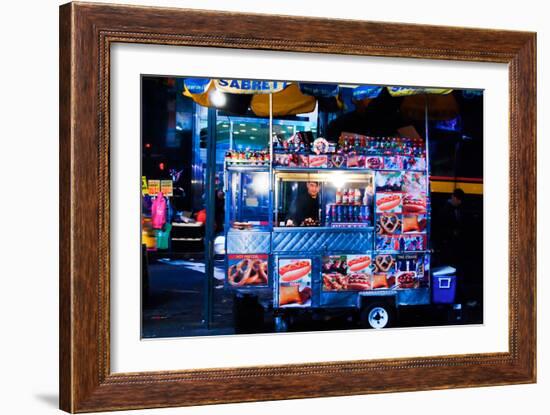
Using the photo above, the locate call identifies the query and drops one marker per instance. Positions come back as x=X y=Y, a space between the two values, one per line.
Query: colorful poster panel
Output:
x=294 y=282
x=389 y=181
x=245 y=270
x=412 y=271
x=385 y=267
x=414 y=182
x=347 y=272
x=393 y=163
x=389 y=202
x=413 y=242
x=415 y=191
x=414 y=163
x=414 y=223
x=388 y=231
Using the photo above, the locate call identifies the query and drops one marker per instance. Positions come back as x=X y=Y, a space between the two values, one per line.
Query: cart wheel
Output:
x=281 y=325
x=377 y=316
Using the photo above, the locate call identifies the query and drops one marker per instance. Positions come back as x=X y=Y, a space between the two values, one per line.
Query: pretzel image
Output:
x=247 y=272
x=238 y=274
x=390 y=223
x=384 y=262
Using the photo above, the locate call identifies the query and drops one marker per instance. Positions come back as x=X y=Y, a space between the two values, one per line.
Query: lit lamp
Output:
x=338 y=179
x=217 y=98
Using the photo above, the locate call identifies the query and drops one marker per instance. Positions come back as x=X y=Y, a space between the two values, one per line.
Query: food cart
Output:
x=317 y=225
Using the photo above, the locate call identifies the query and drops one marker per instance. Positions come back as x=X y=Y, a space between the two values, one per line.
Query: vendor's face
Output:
x=455 y=201
x=313 y=189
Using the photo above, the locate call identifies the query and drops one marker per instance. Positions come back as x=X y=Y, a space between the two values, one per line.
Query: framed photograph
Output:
x=259 y=207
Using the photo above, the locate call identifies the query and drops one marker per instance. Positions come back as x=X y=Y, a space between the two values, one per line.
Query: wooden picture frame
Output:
x=86 y=33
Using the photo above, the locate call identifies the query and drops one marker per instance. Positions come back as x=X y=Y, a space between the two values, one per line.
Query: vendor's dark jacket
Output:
x=304 y=206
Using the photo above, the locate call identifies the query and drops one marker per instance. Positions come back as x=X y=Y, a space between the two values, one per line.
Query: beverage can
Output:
x=356 y=213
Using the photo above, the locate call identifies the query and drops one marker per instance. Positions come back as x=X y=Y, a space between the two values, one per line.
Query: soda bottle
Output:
x=345 y=197
x=357 y=197
x=338 y=196
x=363 y=142
x=339 y=209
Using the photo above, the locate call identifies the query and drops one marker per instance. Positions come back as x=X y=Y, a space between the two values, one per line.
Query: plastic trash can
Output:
x=444 y=285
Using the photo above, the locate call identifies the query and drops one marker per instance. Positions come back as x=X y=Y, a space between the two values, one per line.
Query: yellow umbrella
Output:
x=289 y=101
x=200 y=98
x=441 y=103
x=287 y=98
x=440 y=107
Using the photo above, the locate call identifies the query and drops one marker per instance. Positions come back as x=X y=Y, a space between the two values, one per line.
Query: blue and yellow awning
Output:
x=291 y=98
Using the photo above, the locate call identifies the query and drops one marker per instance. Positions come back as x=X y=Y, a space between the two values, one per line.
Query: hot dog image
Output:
x=388 y=202
x=359 y=263
x=346 y=273
x=294 y=270
x=295 y=282
x=359 y=282
x=353 y=282
x=318 y=161
x=414 y=204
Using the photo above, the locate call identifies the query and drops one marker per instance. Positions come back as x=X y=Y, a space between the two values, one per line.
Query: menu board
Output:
x=294 y=282
x=401 y=216
x=347 y=273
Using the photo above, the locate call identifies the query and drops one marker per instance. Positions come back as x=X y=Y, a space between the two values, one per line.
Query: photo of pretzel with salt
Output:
x=384 y=263
x=388 y=224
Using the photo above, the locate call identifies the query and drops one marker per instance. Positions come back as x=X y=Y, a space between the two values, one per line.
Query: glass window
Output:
x=249 y=199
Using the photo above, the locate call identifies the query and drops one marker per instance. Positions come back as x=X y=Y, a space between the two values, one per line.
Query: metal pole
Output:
x=271 y=185
x=428 y=169
x=231 y=135
x=210 y=216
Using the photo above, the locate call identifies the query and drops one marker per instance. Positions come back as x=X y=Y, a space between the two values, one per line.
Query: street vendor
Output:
x=304 y=209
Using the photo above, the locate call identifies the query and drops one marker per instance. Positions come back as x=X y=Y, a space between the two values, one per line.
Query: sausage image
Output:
x=359 y=282
x=318 y=161
x=358 y=264
x=334 y=282
x=294 y=271
x=413 y=205
x=388 y=202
